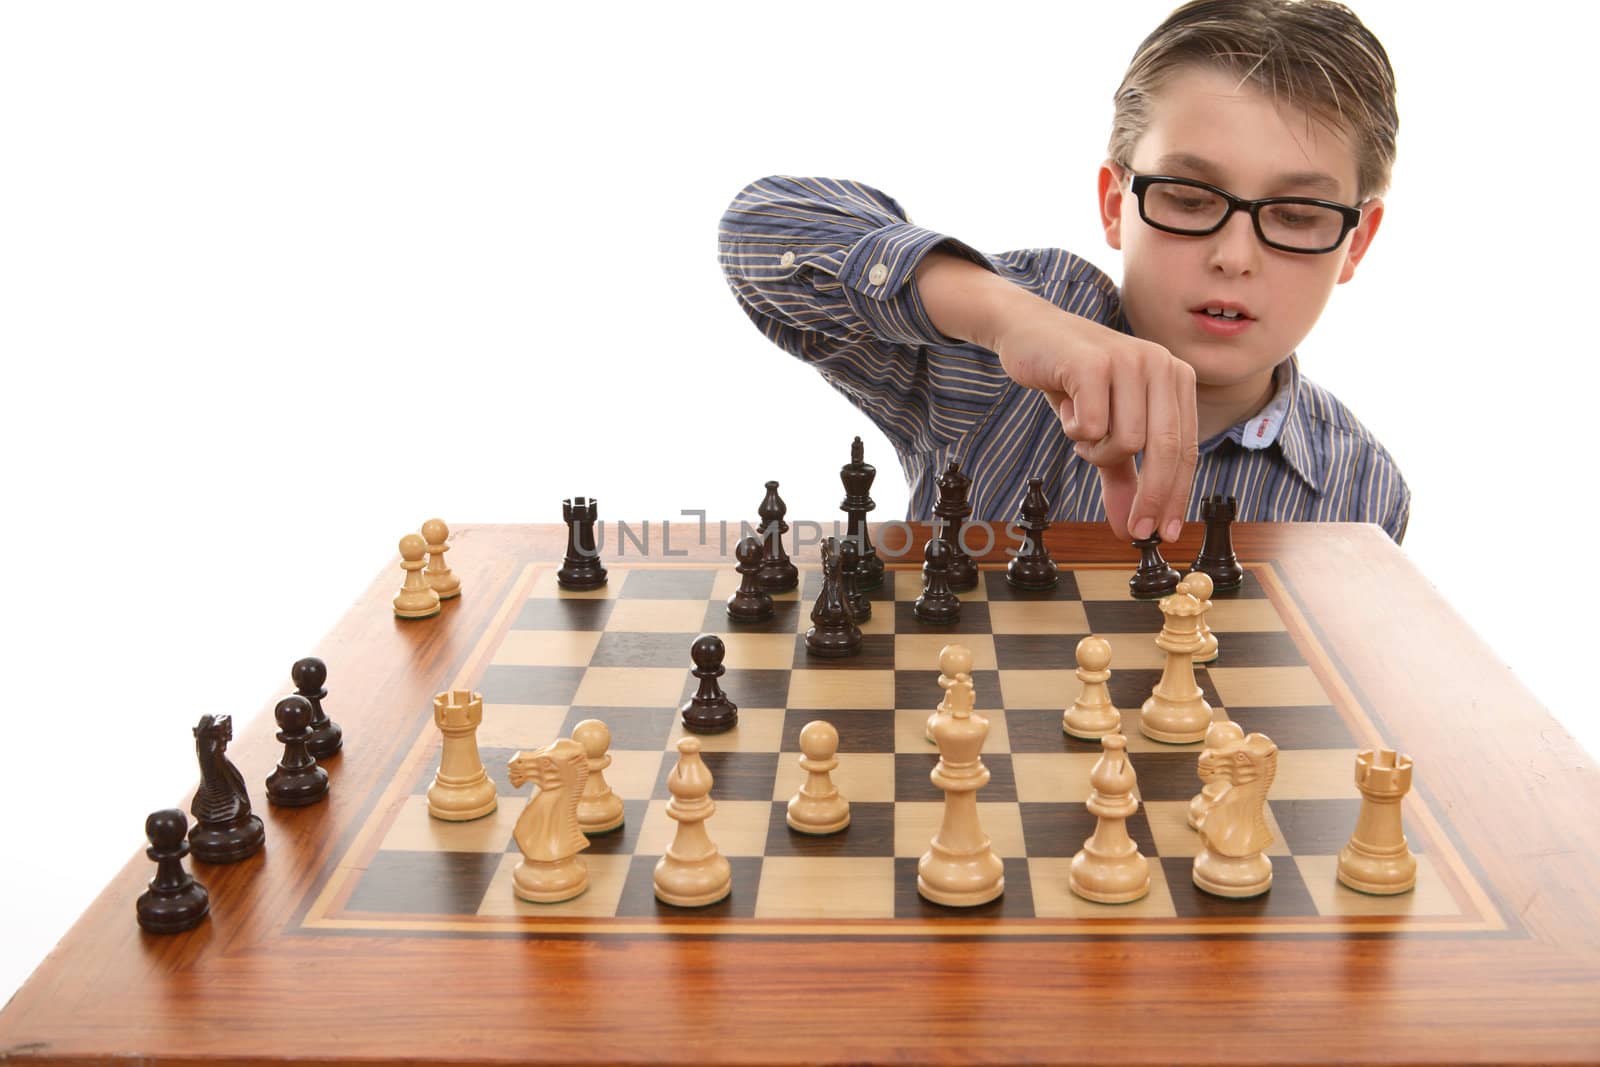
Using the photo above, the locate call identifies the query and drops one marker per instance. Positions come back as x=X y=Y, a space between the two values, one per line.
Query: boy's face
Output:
x=1238 y=139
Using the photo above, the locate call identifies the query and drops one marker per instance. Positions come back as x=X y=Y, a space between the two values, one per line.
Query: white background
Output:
x=277 y=282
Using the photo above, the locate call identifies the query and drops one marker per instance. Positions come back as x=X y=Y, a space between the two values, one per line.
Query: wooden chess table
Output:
x=366 y=932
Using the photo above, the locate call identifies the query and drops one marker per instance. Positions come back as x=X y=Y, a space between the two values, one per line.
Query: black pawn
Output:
x=309 y=676
x=174 y=901
x=938 y=604
x=224 y=830
x=953 y=508
x=581 y=568
x=751 y=603
x=857 y=476
x=298 y=781
x=709 y=711
x=850 y=581
x=1032 y=568
x=1154 y=578
x=1216 y=556
x=833 y=629
x=778 y=574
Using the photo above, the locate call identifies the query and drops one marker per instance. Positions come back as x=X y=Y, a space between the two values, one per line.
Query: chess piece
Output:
x=709 y=711
x=1200 y=587
x=833 y=630
x=174 y=901
x=309 y=676
x=547 y=831
x=960 y=869
x=937 y=605
x=850 y=581
x=461 y=789
x=1176 y=711
x=581 y=568
x=955 y=678
x=599 y=809
x=224 y=831
x=817 y=807
x=1109 y=869
x=1216 y=556
x=298 y=781
x=777 y=574
x=857 y=476
x=441 y=579
x=1378 y=860
x=1092 y=715
x=693 y=873
x=416 y=600
x=1232 y=861
x=750 y=603
x=1154 y=578
x=1219 y=735
x=1032 y=568
x=953 y=508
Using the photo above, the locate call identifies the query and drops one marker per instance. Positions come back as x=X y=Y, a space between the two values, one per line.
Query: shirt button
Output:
x=878 y=274
x=786 y=260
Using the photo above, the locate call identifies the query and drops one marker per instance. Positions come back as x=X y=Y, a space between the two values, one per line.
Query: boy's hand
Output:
x=1116 y=395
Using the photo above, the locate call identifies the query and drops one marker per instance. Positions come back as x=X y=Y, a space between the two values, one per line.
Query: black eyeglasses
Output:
x=1288 y=223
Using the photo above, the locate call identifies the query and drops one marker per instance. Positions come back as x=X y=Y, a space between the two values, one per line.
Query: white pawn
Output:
x=817 y=807
x=1109 y=869
x=440 y=578
x=547 y=832
x=1201 y=587
x=955 y=665
x=1092 y=716
x=693 y=873
x=599 y=809
x=416 y=599
x=960 y=868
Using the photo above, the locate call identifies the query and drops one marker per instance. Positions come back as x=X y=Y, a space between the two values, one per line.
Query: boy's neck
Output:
x=1221 y=407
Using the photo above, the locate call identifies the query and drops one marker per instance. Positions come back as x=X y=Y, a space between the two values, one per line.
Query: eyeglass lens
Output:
x=1191 y=207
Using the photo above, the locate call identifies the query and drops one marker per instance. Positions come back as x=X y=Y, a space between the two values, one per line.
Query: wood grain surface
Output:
x=249 y=987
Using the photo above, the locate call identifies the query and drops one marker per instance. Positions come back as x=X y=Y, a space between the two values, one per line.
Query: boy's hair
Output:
x=1313 y=54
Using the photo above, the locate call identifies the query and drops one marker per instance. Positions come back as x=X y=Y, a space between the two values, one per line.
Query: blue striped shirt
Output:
x=825 y=268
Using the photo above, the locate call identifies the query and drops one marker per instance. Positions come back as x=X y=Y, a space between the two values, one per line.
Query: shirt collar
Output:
x=1280 y=422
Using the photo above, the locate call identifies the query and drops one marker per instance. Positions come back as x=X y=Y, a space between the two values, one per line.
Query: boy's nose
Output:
x=1235 y=249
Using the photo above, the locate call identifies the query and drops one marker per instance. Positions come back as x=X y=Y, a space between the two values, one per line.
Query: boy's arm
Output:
x=1116 y=395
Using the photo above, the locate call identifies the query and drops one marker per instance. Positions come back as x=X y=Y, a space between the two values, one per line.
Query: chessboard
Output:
x=620 y=654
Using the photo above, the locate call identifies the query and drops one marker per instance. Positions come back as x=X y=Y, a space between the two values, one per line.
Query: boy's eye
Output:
x=1188 y=200
x=1292 y=216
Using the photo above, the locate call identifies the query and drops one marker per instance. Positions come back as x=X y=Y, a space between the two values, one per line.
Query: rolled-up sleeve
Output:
x=826 y=269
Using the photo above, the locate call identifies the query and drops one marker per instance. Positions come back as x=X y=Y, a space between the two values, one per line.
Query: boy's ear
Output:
x=1110 y=185
x=1361 y=238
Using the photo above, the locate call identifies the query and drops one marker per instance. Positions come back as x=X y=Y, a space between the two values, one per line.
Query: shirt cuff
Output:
x=878 y=274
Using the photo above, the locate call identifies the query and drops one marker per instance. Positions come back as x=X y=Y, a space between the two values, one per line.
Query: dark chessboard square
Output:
x=639 y=892
x=734 y=775
x=785 y=618
x=1251 y=589
x=1131 y=687
x=1168 y=775
x=641 y=729
x=621 y=648
x=974 y=619
x=1319 y=827
x=870 y=833
x=1037 y=652
x=747 y=689
x=506 y=684
x=1307 y=727
x=911 y=781
x=1288 y=896
x=560 y=613
x=997 y=588
x=668 y=584
x=920 y=689
x=1039 y=730
x=424 y=883
x=1257 y=650
x=1015 y=903
x=877 y=654
x=618 y=842
x=1061 y=829
x=860 y=730
x=1124 y=617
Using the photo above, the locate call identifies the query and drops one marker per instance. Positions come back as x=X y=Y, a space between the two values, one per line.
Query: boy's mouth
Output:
x=1221 y=318
x=1223 y=310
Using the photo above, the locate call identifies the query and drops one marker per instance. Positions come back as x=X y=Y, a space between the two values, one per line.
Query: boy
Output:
x=1250 y=143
